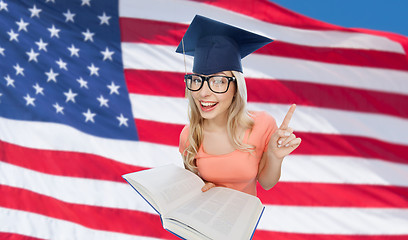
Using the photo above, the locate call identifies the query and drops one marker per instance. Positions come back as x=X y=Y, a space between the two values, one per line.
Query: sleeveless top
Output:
x=237 y=170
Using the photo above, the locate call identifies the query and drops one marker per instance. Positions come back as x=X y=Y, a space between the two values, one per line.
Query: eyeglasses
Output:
x=216 y=83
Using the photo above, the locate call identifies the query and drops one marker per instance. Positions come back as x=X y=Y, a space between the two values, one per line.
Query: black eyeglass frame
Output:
x=207 y=79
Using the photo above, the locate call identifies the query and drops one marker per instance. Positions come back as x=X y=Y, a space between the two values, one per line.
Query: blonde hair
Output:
x=238 y=117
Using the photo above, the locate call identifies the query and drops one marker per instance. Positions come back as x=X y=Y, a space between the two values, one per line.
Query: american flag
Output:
x=92 y=89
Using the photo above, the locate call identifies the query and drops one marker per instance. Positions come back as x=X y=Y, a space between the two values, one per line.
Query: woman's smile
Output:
x=207 y=106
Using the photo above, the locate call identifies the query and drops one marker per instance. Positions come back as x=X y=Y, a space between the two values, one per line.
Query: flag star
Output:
x=82 y=83
x=54 y=31
x=88 y=35
x=89 y=116
x=35 y=12
x=19 y=70
x=53 y=1
x=2 y=51
x=69 y=17
x=51 y=75
x=62 y=64
x=103 y=101
x=70 y=96
x=3 y=6
x=29 y=100
x=74 y=51
x=1 y=94
x=107 y=54
x=86 y=2
x=13 y=35
x=122 y=120
x=104 y=19
x=38 y=89
x=41 y=45
x=113 y=88
x=58 y=108
x=9 y=81
x=94 y=70
x=22 y=25
x=32 y=56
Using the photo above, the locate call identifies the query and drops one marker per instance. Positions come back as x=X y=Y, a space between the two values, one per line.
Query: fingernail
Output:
x=287 y=145
x=287 y=134
x=279 y=146
x=280 y=142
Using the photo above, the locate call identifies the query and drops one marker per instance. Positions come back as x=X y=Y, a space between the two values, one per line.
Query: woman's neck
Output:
x=216 y=124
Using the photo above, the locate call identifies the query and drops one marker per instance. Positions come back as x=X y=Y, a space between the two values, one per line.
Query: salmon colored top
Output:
x=237 y=170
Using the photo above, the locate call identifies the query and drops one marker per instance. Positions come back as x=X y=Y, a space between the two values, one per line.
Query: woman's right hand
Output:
x=207 y=186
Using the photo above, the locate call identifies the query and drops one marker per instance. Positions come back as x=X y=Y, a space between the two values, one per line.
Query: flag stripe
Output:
x=109 y=219
x=164 y=58
x=335 y=195
x=40 y=135
x=313 y=143
x=284 y=92
x=290 y=193
x=14 y=236
x=66 y=163
x=55 y=209
x=312 y=119
x=38 y=226
x=87 y=191
x=166 y=33
x=184 y=11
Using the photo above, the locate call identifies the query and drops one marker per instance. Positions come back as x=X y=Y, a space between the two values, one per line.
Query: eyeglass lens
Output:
x=217 y=84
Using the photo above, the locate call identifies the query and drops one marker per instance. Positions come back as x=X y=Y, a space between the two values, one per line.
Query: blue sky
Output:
x=384 y=15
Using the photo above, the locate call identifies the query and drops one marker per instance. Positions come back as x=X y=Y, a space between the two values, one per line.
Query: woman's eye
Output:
x=197 y=81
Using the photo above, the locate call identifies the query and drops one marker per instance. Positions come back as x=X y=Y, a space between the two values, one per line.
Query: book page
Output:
x=220 y=213
x=169 y=186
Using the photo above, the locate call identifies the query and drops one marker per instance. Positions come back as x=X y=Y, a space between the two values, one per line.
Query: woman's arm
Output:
x=281 y=144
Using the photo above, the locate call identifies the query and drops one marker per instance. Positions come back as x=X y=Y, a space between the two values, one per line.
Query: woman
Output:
x=224 y=143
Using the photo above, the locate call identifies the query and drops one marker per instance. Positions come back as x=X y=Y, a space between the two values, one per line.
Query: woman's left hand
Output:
x=283 y=141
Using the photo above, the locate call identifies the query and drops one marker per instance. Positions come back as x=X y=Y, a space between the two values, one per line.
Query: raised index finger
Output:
x=286 y=120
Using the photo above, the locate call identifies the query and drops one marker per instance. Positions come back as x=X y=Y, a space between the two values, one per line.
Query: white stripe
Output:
x=343 y=170
x=53 y=136
x=74 y=190
x=324 y=220
x=163 y=58
x=39 y=226
x=306 y=119
x=275 y=218
x=184 y=12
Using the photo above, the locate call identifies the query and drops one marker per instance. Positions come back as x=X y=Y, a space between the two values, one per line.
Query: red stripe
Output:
x=64 y=163
x=99 y=218
x=335 y=195
x=273 y=13
x=127 y=221
x=284 y=193
x=285 y=92
x=261 y=234
x=165 y=33
x=312 y=144
x=15 y=236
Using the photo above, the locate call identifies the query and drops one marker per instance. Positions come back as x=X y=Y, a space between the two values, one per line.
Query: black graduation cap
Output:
x=217 y=46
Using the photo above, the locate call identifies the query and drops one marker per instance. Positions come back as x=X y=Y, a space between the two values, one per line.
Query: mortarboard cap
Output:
x=217 y=46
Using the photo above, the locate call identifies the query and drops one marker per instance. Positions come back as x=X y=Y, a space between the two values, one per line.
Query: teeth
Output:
x=205 y=104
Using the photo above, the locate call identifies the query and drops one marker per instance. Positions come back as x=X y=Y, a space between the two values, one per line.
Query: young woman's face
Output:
x=212 y=105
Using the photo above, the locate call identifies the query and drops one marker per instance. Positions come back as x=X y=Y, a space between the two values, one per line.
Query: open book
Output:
x=175 y=193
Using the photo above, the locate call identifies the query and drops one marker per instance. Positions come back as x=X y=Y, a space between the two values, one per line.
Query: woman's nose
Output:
x=205 y=90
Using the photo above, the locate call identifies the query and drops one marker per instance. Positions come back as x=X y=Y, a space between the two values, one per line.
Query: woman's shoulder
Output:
x=183 y=143
x=184 y=132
